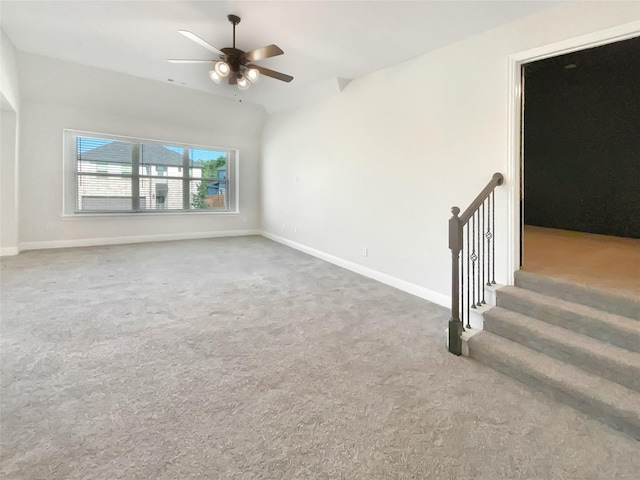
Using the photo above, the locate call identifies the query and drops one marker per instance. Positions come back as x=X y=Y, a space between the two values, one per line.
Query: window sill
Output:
x=76 y=216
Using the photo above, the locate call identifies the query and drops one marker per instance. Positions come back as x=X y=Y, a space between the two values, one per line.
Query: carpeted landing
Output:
x=241 y=358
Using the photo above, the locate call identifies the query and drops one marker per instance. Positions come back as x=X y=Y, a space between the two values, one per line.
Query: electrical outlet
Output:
x=284 y=226
x=365 y=252
x=295 y=229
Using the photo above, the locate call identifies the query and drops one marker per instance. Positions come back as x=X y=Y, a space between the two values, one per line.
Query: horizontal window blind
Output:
x=104 y=172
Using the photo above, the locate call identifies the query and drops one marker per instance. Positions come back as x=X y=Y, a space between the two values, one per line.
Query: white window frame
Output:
x=70 y=184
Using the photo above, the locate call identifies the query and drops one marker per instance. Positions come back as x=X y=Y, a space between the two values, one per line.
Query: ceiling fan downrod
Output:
x=235 y=20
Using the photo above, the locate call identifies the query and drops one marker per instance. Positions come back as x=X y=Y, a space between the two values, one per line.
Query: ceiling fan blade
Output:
x=263 y=52
x=173 y=60
x=272 y=73
x=201 y=42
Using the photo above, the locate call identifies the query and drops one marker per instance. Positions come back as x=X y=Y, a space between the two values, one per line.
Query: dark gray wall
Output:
x=582 y=141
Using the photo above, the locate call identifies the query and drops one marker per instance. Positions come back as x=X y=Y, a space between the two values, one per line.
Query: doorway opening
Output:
x=580 y=166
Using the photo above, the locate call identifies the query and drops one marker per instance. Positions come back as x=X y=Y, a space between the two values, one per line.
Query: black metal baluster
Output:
x=462 y=307
x=493 y=230
x=484 y=251
x=474 y=257
x=484 y=258
x=489 y=235
x=477 y=243
x=468 y=304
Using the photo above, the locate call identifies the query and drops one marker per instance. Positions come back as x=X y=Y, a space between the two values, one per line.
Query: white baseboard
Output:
x=91 y=242
x=395 y=282
x=8 y=251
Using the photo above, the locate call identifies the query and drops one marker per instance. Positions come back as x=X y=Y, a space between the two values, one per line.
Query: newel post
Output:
x=455 y=244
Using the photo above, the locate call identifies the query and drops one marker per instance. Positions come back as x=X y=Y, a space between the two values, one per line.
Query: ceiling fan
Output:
x=235 y=63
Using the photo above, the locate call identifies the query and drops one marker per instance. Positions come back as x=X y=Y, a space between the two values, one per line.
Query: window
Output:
x=130 y=175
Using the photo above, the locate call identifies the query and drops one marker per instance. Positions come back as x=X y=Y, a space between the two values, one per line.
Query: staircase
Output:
x=580 y=345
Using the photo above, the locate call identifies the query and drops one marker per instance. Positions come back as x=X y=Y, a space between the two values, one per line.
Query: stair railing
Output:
x=471 y=240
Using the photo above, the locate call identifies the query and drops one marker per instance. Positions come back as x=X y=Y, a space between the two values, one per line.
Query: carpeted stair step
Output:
x=619 y=304
x=600 y=358
x=609 y=402
x=608 y=327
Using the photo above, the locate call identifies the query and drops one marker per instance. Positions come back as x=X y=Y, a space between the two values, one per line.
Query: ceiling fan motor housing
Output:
x=234 y=58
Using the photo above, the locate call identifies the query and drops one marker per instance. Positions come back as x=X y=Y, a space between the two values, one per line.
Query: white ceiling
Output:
x=323 y=40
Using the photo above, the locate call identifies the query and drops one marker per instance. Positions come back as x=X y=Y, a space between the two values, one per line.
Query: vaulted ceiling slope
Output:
x=325 y=42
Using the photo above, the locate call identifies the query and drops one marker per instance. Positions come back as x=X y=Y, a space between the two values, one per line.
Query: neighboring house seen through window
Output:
x=121 y=174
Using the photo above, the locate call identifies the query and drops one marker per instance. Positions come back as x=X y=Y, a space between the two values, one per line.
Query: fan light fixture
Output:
x=214 y=76
x=222 y=68
x=243 y=83
x=252 y=74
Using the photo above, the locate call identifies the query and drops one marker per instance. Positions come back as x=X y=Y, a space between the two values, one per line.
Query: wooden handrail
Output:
x=496 y=181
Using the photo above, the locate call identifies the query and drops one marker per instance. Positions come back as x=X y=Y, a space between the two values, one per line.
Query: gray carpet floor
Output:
x=241 y=358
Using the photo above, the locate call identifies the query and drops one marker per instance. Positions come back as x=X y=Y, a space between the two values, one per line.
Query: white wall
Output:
x=9 y=109
x=59 y=95
x=9 y=84
x=8 y=180
x=381 y=164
